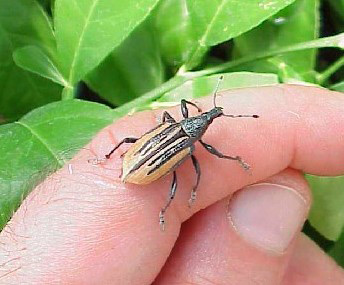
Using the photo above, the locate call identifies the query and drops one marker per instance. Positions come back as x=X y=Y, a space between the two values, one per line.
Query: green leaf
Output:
x=88 y=30
x=338 y=87
x=22 y=23
x=327 y=212
x=118 y=78
x=22 y=91
x=337 y=251
x=298 y=22
x=216 y=21
x=174 y=30
x=41 y=142
x=25 y=23
x=203 y=86
x=33 y=59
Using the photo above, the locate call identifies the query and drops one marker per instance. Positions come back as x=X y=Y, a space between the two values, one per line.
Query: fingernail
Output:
x=268 y=215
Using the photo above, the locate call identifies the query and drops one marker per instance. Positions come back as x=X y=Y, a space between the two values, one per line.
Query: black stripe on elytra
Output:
x=153 y=141
x=166 y=144
x=168 y=155
x=178 y=135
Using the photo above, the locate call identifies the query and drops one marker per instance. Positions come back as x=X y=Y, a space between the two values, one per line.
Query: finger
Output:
x=252 y=244
x=86 y=226
x=310 y=265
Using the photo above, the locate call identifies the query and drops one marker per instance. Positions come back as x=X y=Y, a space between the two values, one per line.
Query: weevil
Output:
x=161 y=150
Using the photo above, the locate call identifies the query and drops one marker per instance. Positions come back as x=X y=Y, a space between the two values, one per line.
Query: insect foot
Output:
x=192 y=198
x=162 y=220
x=96 y=161
x=244 y=165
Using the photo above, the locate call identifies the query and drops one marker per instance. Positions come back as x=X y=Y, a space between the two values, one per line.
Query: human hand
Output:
x=83 y=226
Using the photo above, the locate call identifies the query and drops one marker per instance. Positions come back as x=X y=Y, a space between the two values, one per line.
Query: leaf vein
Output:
x=206 y=32
x=77 y=49
x=42 y=141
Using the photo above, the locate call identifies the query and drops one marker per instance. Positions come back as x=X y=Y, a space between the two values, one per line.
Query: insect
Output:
x=161 y=150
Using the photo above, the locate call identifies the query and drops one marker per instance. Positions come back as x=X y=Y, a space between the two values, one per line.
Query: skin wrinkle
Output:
x=10 y=260
x=13 y=257
x=10 y=232
x=10 y=272
x=5 y=272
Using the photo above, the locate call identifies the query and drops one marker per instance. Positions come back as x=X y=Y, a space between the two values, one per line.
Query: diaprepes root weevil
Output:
x=161 y=150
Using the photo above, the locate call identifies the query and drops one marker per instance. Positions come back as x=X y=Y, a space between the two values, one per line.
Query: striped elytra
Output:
x=156 y=153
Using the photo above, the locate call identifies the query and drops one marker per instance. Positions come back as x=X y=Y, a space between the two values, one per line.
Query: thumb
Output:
x=268 y=214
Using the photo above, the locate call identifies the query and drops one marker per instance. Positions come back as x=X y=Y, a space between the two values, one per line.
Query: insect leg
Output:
x=167 y=117
x=214 y=151
x=126 y=140
x=170 y=198
x=198 y=176
x=184 y=108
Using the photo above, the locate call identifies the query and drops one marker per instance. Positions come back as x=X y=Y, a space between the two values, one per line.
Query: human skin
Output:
x=83 y=226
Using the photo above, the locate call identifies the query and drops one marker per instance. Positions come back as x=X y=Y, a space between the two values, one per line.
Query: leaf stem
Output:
x=325 y=75
x=67 y=93
x=335 y=41
x=182 y=76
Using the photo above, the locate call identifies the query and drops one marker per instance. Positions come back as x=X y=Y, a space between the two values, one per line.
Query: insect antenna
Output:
x=230 y=116
x=216 y=89
x=241 y=116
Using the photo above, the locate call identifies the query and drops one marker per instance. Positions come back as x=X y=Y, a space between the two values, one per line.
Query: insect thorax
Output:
x=195 y=127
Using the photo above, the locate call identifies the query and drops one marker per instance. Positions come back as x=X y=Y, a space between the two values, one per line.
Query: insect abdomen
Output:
x=155 y=154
